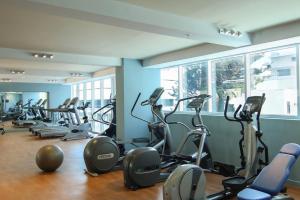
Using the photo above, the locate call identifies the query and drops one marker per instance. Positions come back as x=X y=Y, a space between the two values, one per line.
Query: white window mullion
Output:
x=92 y=97
x=209 y=85
x=247 y=76
x=180 y=87
x=298 y=79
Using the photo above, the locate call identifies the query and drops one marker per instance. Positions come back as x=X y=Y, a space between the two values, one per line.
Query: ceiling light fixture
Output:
x=53 y=81
x=17 y=71
x=76 y=74
x=43 y=55
x=230 y=32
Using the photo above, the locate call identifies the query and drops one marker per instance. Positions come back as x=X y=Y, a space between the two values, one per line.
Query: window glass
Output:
x=97 y=84
x=106 y=93
x=80 y=94
x=170 y=82
x=81 y=86
x=107 y=83
x=74 y=90
x=98 y=93
x=88 y=95
x=88 y=86
x=228 y=80
x=98 y=127
x=194 y=81
x=275 y=74
x=97 y=90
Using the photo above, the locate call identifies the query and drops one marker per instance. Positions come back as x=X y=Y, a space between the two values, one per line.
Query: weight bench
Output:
x=271 y=180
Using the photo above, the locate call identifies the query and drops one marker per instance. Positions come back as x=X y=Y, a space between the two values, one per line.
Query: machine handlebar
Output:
x=134 y=105
x=174 y=110
x=99 y=110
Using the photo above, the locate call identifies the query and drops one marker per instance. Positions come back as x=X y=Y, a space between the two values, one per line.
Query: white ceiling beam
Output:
x=133 y=17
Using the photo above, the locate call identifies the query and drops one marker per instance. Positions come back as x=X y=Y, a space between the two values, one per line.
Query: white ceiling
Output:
x=87 y=36
x=241 y=14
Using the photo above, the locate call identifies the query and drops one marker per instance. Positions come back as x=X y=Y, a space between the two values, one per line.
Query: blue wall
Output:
x=131 y=79
x=57 y=93
x=225 y=135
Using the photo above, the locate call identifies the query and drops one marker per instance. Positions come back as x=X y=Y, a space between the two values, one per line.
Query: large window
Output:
x=271 y=71
x=275 y=74
x=98 y=93
x=170 y=82
x=183 y=81
x=228 y=80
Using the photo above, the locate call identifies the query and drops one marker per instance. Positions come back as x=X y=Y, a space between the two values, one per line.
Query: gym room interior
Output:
x=149 y=99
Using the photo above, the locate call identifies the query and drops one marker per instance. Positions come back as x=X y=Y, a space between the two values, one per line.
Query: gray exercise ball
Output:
x=49 y=158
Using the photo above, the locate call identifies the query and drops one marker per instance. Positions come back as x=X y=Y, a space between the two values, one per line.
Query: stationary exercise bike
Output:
x=105 y=153
x=188 y=181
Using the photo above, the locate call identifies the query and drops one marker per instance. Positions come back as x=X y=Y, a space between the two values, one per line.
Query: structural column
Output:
x=131 y=79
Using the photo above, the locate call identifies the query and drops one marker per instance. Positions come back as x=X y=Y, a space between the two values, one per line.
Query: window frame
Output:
x=247 y=81
x=101 y=88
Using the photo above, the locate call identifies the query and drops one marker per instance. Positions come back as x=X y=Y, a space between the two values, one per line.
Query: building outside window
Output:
x=275 y=74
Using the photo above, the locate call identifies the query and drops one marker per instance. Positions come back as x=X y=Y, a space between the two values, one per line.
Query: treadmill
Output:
x=30 y=122
x=42 y=124
x=61 y=131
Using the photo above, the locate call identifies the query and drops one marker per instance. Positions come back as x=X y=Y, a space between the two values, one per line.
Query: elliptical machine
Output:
x=142 y=166
x=105 y=153
x=188 y=181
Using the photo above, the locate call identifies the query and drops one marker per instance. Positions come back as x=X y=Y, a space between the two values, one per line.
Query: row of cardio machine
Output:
x=106 y=152
x=21 y=113
x=68 y=125
x=31 y=113
x=183 y=173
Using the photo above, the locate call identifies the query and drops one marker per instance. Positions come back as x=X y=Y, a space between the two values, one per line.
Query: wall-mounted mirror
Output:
x=11 y=101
